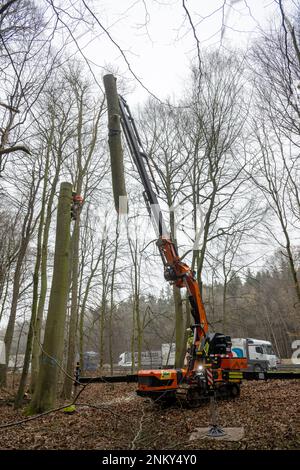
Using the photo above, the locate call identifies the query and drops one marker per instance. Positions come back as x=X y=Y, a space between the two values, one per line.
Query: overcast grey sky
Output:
x=158 y=41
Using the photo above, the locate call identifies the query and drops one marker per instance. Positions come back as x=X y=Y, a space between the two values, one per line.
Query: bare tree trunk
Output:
x=52 y=353
x=224 y=304
x=43 y=288
x=101 y=332
x=132 y=342
x=112 y=287
x=87 y=288
x=5 y=295
x=26 y=234
x=68 y=383
x=22 y=385
x=86 y=140
x=103 y=306
x=30 y=337
x=139 y=328
x=17 y=353
x=137 y=323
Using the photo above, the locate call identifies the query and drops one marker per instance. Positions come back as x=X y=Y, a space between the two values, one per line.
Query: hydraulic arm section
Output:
x=210 y=366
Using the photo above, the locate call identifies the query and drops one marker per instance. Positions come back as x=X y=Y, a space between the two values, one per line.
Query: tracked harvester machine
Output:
x=210 y=365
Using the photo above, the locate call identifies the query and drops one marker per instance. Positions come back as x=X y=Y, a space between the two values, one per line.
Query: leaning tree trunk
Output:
x=52 y=352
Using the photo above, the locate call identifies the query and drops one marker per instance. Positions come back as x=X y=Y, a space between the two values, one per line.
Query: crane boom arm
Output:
x=175 y=271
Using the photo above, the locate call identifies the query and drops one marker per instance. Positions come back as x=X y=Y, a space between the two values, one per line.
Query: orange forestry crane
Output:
x=211 y=367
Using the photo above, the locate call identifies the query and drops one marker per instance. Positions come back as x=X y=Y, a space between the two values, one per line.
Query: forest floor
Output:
x=112 y=417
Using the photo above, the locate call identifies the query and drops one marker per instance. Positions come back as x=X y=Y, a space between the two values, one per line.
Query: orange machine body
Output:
x=157 y=381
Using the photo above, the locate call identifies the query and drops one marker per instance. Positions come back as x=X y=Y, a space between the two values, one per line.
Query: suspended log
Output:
x=114 y=141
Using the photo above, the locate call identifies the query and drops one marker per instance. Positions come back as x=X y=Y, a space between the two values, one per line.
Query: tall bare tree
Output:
x=87 y=131
x=52 y=352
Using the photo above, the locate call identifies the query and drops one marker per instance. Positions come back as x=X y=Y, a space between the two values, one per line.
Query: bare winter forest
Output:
x=223 y=152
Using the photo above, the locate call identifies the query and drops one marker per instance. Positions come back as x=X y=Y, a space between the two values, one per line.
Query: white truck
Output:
x=151 y=359
x=259 y=353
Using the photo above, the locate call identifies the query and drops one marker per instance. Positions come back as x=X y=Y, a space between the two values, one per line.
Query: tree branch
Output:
x=16 y=148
